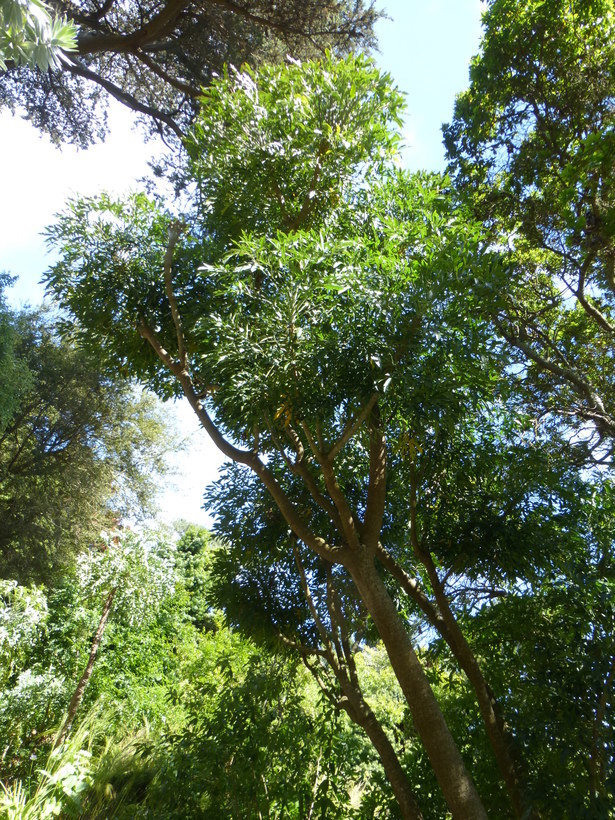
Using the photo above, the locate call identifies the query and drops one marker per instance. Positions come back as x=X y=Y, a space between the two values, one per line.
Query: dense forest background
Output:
x=404 y=607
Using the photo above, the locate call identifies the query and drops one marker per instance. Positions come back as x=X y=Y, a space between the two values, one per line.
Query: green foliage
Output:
x=279 y=148
x=258 y=739
x=195 y=552
x=31 y=36
x=230 y=727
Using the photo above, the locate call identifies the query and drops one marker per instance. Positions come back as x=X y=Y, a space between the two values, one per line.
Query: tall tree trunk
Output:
x=457 y=786
x=339 y=656
x=445 y=622
x=77 y=697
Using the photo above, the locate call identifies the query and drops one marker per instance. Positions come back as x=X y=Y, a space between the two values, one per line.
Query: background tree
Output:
x=155 y=59
x=76 y=449
x=531 y=146
x=169 y=710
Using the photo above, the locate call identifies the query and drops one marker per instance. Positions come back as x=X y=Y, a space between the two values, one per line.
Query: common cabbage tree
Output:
x=30 y=35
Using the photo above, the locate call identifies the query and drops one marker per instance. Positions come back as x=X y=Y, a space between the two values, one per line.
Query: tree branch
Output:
x=159 y=25
x=175 y=230
x=322 y=630
x=350 y=530
x=153 y=66
x=122 y=96
x=564 y=373
x=247 y=457
x=590 y=309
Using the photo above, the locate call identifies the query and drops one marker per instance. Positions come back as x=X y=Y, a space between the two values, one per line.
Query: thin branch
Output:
x=322 y=630
x=247 y=457
x=350 y=529
x=296 y=442
x=377 y=484
x=302 y=649
x=352 y=425
x=592 y=310
x=412 y=589
x=153 y=66
x=481 y=592
x=301 y=469
x=336 y=613
x=335 y=624
x=566 y=374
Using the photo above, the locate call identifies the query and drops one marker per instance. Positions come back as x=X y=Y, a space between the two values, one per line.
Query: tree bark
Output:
x=87 y=674
x=456 y=783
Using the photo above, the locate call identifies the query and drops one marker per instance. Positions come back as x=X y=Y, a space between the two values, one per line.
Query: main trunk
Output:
x=455 y=781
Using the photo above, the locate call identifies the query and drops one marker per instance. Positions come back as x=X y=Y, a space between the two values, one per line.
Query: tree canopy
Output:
x=155 y=58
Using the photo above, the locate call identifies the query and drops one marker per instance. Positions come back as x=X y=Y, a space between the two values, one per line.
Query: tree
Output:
x=156 y=58
x=231 y=727
x=531 y=145
x=76 y=449
x=62 y=666
x=314 y=346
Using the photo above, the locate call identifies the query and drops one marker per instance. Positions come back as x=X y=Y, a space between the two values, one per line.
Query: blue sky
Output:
x=425 y=46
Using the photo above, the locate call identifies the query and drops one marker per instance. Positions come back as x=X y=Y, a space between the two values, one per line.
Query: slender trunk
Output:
x=497 y=732
x=457 y=786
x=362 y=715
x=87 y=674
